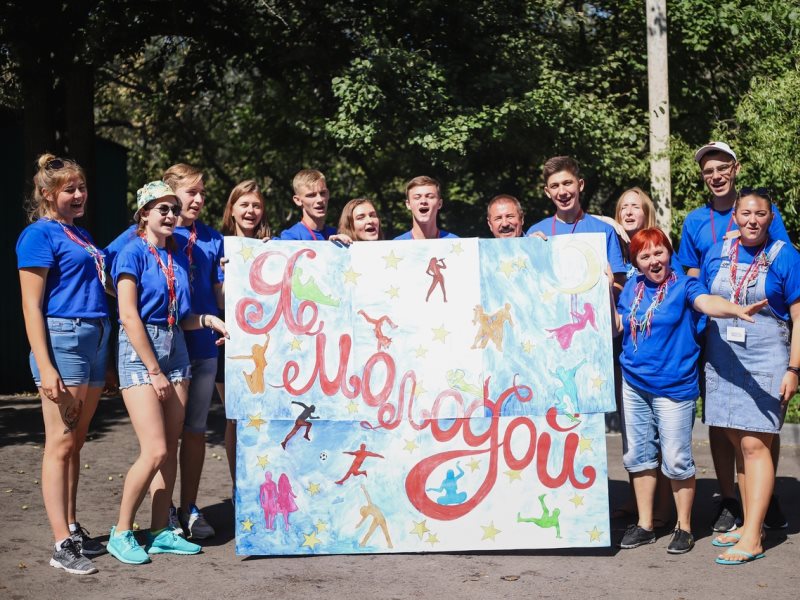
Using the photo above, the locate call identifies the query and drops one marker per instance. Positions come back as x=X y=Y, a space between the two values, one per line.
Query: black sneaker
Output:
x=72 y=561
x=86 y=545
x=774 y=518
x=636 y=536
x=682 y=541
x=729 y=516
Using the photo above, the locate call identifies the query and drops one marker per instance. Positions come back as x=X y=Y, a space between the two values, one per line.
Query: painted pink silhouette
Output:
x=268 y=497
x=564 y=333
x=384 y=341
x=435 y=267
x=286 y=496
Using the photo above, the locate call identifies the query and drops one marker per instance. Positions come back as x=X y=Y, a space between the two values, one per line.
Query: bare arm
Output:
x=790 y=379
x=693 y=272
x=206 y=321
x=717 y=306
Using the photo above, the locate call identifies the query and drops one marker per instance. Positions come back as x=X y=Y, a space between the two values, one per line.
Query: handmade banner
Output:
x=419 y=396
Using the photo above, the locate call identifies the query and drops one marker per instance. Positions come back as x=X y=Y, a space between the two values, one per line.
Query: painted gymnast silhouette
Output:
x=450 y=488
x=546 y=520
x=378 y=520
x=301 y=421
x=435 y=267
x=268 y=498
x=255 y=380
x=456 y=379
x=490 y=327
x=564 y=333
x=360 y=456
x=383 y=340
x=286 y=496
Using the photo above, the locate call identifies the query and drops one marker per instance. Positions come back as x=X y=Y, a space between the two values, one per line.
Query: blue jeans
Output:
x=169 y=348
x=78 y=349
x=653 y=425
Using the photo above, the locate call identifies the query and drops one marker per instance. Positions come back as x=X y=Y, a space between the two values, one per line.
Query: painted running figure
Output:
x=360 y=456
x=450 y=488
x=564 y=333
x=435 y=266
x=255 y=380
x=301 y=421
x=384 y=341
x=546 y=520
x=268 y=498
x=378 y=520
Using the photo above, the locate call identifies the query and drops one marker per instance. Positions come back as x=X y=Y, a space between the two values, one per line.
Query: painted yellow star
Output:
x=352 y=408
x=456 y=248
x=507 y=267
x=246 y=252
x=520 y=264
x=410 y=446
x=311 y=540
x=440 y=333
x=420 y=528
x=391 y=260
x=255 y=421
x=527 y=346
x=296 y=344
x=594 y=534
x=247 y=524
x=585 y=444
x=513 y=475
x=548 y=295
x=597 y=382
x=489 y=531
x=263 y=461
x=393 y=292
x=321 y=526
x=419 y=389
x=351 y=276
x=421 y=351
x=577 y=500
x=314 y=488
x=432 y=539
x=474 y=465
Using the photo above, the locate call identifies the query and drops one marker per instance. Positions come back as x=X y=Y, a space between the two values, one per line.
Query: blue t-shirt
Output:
x=442 y=235
x=697 y=238
x=665 y=362
x=299 y=231
x=122 y=240
x=207 y=252
x=588 y=224
x=783 y=276
x=72 y=287
x=151 y=284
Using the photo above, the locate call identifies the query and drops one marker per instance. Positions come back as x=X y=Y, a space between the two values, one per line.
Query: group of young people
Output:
x=166 y=274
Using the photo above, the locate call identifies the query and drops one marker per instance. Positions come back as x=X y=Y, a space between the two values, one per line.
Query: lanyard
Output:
x=574 y=225
x=189 y=248
x=169 y=273
x=738 y=290
x=713 y=232
x=97 y=256
x=310 y=231
x=644 y=324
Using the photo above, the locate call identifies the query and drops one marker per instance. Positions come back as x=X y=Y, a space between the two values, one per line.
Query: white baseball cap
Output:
x=714 y=147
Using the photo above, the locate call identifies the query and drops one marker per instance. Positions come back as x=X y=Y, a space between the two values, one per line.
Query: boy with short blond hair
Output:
x=311 y=195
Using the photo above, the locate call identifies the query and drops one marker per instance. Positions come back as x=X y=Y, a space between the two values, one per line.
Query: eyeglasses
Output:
x=163 y=209
x=719 y=170
x=761 y=192
x=54 y=164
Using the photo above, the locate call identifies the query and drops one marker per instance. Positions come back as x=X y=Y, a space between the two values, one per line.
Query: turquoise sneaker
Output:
x=168 y=542
x=125 y=548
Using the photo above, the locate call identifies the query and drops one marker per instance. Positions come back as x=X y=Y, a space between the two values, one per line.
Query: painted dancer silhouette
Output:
x=450 y=488
x=546 y=520
x=360 y=456
x=255 y=380
x=378 y=520
x=301 y=421
x=564 y=333
x=568 y=388
x=268 y=498
x=435 y=266
x=383 y=340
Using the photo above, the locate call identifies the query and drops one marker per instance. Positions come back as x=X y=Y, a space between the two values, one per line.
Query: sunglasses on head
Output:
x=759 y=191
x=164 y=209
x=54 y=164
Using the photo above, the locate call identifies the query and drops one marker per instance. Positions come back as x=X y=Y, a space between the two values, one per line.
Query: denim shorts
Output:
x=653 y=425
x=201 y=390
x=169 y=348
x=78 y=349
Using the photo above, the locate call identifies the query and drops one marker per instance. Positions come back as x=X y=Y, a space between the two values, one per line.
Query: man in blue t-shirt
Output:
x=563 y=185
x=311 y=195
x=424 y=200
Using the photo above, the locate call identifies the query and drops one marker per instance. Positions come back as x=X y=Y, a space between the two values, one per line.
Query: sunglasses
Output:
x=164 y=209
x=761 y=192
x=54 y=164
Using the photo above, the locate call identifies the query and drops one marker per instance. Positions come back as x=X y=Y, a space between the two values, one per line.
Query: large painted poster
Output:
x=419 y=395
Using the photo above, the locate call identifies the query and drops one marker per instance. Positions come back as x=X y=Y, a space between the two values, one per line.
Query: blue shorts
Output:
x=78 y=349
x=169 y=348
x=201 y=390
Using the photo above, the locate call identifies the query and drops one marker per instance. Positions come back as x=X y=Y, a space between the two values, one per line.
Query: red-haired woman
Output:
x=657 y=314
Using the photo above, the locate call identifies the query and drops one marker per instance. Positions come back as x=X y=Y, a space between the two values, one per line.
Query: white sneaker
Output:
x=195 y=524
x=174 y=523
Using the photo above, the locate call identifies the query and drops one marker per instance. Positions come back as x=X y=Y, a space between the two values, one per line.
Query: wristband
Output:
x=154 y=373
x=203 y=321
x=795 y=370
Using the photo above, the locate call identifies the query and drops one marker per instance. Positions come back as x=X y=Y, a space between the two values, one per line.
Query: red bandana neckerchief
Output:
x=739 y=290
x=169 y=273
x=98 y=257
x=713 y=232
x=644 y=324
x=189 y=247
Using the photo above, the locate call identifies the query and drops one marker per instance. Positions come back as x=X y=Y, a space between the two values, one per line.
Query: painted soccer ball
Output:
x=323 y=455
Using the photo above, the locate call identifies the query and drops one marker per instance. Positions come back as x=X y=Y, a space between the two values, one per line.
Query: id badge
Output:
x=735 y=334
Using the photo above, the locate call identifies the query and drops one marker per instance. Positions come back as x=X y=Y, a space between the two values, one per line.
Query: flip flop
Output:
x=718 y=544
x=747 y=557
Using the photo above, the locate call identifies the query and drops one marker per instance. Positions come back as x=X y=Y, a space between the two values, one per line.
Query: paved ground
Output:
x=644 y=572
